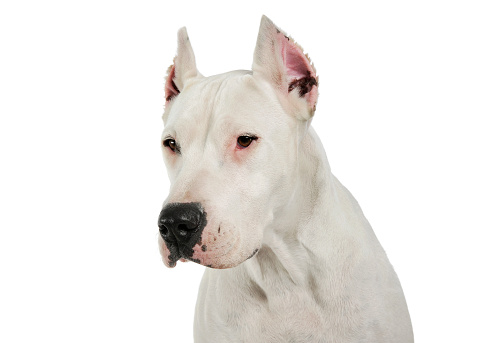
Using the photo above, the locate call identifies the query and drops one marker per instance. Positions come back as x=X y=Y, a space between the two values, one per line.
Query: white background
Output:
x=409 y=112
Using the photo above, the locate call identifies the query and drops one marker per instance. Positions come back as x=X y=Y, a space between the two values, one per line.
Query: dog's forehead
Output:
x=229 y=101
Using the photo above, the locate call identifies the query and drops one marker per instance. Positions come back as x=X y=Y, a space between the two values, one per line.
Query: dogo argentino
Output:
x=291 y=256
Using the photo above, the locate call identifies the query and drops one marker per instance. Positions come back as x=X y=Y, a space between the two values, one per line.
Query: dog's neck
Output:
x=301 y=245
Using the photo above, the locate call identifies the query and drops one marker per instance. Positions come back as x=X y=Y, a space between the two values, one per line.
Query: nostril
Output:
x=166 y=233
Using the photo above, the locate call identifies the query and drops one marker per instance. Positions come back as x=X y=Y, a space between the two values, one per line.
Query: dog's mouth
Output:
x=219 y=256
x=179 y=251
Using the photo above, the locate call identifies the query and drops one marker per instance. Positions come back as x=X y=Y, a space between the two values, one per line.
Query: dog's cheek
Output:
x=164 y=252
x=215 y=247
x=206 y=251
x=222 y=249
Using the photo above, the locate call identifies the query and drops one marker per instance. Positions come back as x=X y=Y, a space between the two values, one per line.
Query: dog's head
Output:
x=230 y=144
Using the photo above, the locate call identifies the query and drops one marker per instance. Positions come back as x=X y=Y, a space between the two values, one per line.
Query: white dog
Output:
x=291 y=255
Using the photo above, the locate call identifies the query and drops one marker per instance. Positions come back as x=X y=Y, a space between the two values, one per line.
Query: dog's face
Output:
x=230 y=144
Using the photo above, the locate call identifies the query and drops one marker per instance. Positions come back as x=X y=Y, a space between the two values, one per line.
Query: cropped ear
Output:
x=282 y=62
x=183 y=67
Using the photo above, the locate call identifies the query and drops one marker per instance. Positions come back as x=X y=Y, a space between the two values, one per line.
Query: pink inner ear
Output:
x=301 y=74
x=296 y=63
x=170 y=87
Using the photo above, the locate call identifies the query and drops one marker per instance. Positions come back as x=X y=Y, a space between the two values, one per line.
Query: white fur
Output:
x=320 y=274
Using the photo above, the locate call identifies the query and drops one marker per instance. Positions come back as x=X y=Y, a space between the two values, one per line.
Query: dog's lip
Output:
x=255 y=251
x=176 y=251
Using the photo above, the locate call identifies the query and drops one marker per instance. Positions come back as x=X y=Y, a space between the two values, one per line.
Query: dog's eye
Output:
x=170 y=143
x=245 y=141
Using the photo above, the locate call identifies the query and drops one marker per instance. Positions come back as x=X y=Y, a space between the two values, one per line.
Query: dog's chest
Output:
x=249 y=319
x=246 y=313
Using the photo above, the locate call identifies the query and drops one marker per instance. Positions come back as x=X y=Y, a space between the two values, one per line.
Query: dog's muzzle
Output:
x=180 y=226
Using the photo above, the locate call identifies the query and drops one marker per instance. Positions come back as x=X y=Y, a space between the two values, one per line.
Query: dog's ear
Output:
x=183 y=67
x=282 y=62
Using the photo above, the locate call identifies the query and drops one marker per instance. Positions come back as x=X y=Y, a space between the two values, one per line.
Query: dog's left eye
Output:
x=245 y=141
x=170 y=143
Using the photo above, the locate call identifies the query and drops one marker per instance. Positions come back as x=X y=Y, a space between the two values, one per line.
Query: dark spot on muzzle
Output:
x=180 y=226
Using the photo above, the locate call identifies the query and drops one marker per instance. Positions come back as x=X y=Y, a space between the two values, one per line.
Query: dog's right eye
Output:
x=170 y=143
x=244 y=141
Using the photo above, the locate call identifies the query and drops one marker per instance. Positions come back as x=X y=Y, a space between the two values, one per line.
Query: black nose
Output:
x=181 y=224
